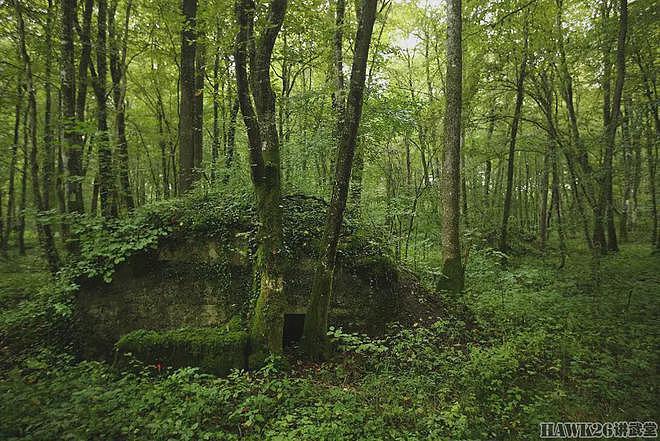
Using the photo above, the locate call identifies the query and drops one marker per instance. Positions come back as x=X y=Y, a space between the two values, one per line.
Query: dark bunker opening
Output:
x=293 y=329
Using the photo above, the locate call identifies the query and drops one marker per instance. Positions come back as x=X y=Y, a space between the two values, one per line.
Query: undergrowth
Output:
x=541 y=346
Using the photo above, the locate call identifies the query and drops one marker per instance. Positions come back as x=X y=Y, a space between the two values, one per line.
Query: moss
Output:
x=213 y=350
x=453 y=276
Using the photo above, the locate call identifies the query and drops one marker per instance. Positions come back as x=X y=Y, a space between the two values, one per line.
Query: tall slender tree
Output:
x=198 y=119
x=49 y=153
x=252 y=56
x=187 y=137
x=44 y=230
x=99 y=79
x=13 y=164
x=117 y=53
x=72 y=138
x=452 y=266
x=612 y=117
x=517 y=116
x=316 y=320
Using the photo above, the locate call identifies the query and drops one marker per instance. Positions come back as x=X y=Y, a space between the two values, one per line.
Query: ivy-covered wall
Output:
x=199 y=274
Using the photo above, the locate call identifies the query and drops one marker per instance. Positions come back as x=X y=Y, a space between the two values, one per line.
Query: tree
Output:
x=316 y=320
x=72 y=138
x=99 y=79
x=198 y=119
x=49 y=153
x=187 y=121
x=13 y=163
x=44 y=231
x=517 y=115
x=118 y=69
x=257 y=102
x=452 y=266
x=611 y=118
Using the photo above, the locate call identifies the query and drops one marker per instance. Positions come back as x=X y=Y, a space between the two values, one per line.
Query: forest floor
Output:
x=536 y=343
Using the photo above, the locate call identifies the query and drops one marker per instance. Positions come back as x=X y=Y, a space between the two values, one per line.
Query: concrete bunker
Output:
x=200 y=276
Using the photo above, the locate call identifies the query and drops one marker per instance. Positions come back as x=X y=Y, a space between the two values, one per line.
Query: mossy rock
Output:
x=215 y=350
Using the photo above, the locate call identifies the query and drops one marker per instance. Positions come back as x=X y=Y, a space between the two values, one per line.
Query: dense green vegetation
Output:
x=533 y=343
x=327 y=219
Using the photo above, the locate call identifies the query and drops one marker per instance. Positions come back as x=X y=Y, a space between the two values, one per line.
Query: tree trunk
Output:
x=543 y=213
x=163 y=142
x=13 y=162
x=72 y=138
x=215 y=145
x=520 y=94
x=627 y=160
x=612 y=119
x=488 y=165
x=316 y=320
x=44 y=231
x=231 y=137
x=118 y=74
x=464 y=193
x=582 y=175
x=20 y=227
x=257 y=102
x=487 y=173
x=579 y=202
x=49 y=154
x=651 y=155
x=452 y=266
x=187 y=111
x=557 y=204
x=106 y=174
x=338 y=95
x=198 y=118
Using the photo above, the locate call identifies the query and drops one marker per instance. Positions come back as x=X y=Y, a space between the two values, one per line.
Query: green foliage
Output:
x=106 y=243
x=227 y=217
x=355 y=342
x=527 y=345
x=36 y=313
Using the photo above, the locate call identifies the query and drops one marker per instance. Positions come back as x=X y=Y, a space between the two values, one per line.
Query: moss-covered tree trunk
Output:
x=22 y=202
x=231 y=138
x=627 y=160
x=257 y=103
x=556 y=198
x=316 y=320
x=452 y=266
x=215 y=142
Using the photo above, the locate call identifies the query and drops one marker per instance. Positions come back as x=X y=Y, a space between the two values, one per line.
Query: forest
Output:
x=329 y=219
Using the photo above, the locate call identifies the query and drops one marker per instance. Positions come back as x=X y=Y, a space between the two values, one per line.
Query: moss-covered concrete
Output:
x=215 y=350
x=202 y=274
